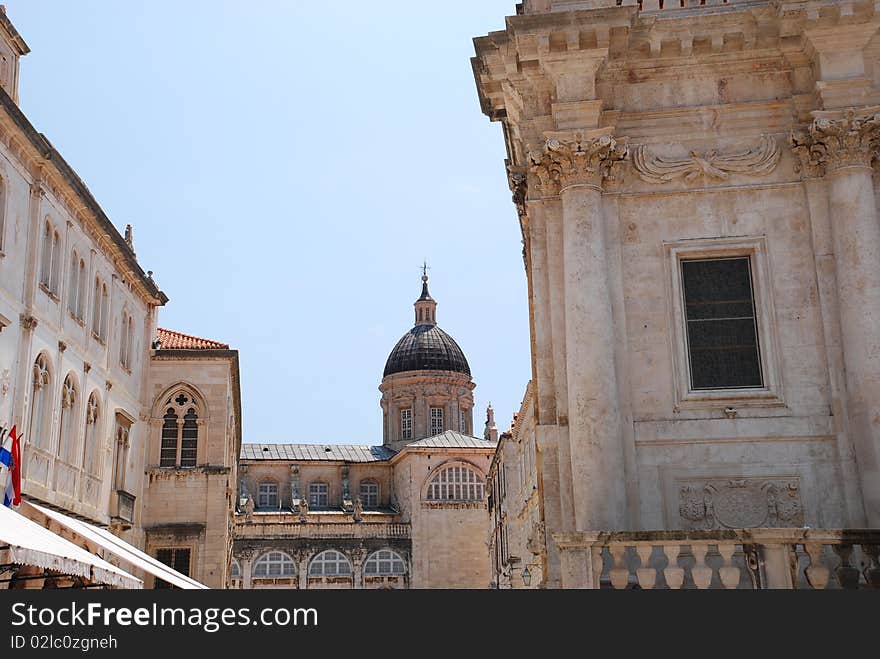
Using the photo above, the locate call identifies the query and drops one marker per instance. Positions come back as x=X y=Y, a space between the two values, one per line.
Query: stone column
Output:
x=580 y=163
x=302 y=569
x=844 y=149
x=357 y=563
x=246 y=560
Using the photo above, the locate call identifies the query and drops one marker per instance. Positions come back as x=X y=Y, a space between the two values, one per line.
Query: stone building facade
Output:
x=695 y=186
x=410 y=513
x=81 y=376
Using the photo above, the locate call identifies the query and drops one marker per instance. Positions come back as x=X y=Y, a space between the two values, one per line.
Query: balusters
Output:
x=847 y=575
x=701 y=573
x=619 y=572
x=673 y=574
x=598 y=566
x=646 y=574
x=817 y=574
x=729 y=573
x=872 y=570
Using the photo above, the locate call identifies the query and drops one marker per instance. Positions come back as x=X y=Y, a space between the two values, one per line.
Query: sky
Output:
x=287 y=166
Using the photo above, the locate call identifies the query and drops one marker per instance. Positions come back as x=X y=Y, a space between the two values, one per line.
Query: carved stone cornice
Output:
x=829 y=144
x=714 y=164
x=577 y=159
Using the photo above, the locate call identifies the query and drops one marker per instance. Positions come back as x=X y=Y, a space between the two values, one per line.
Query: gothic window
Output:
x=274 y=564
x=319 y=496
x=406 y=428
x=81 y=291
x=384 y=562
x=91 y=453
x=66 y=442
x=40 y=413
x=722 y=335
x=178 y=559
x=100 y=303
x=329 y=563
x=126 y=339
x=369 y=494
x=179 y=440
x=456 y=483
x=76 y=290
x=120 y=456
x=267 y=496
x=51 y=259
x=437 y=426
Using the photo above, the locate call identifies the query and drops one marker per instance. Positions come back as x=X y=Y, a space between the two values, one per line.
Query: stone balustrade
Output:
x=287 y=526
x=748 y=559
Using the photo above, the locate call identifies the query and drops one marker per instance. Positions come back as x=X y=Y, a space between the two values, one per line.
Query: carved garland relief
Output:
x=755 y=161
x=740 y=503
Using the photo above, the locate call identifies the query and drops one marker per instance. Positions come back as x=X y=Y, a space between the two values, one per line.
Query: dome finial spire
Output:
x=426 y=307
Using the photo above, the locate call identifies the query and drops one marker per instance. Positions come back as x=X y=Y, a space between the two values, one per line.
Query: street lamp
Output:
x=526 y=577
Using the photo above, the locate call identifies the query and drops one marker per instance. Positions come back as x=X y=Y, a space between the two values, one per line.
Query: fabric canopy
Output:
x=122 y=550
x=30 y=544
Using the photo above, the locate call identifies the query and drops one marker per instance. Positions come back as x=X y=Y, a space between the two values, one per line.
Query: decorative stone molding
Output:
x=755 y=161
x=741 y=503
x=829 y=144
x=517 y=179
x=62 y=346
x=576 y=160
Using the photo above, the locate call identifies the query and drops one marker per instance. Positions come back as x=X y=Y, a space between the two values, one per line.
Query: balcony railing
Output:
x=748 y=559
x=287 y=526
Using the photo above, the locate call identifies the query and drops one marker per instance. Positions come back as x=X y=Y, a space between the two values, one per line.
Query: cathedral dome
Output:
x=426 y=347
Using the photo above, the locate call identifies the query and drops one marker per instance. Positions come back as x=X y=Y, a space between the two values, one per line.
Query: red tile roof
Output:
x=171 y=340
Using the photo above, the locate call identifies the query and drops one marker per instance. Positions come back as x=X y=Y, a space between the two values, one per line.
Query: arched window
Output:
x=236 y=570
x=105 y=313
x=180 y=432
x=456 y=483
x=81 y=293
x=274 y=564
x=369 y=494
x=73 y=283
x=123 y=341
x=91 y=452
x=39 y=423
x=329 y=563
x=96 y=308
x=66 y=441
x=384 y=562
x=55 y=270
x=46 y=258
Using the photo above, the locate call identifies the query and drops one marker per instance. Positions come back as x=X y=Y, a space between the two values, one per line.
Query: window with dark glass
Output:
x=168 y=457
x=189 y=439
x=722 y=334
x=176 y=559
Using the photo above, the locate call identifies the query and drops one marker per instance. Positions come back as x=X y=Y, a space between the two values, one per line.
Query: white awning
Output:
x=28 y=543
x=122 y=550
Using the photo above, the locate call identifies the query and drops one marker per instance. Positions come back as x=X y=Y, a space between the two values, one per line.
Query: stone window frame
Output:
x=328 y=558
x=377 y=494
x=275 y=557
x=429 y=494
x=406 y=422
x=754 y=247
x=325 y=493
x=431 y=420
x=268 y=483
x=382 y=556
x=174 y=549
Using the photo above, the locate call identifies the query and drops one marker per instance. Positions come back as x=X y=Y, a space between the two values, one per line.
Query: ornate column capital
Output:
x=829 y=144
x=576 y=159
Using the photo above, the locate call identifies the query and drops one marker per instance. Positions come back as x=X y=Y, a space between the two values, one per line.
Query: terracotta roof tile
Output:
x=171 y=340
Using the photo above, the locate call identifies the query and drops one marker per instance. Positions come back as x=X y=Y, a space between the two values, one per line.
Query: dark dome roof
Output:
x=426 y=348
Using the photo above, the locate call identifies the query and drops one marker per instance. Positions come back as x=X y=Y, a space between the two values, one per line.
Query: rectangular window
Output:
x=437 y=426
x=318 y=496
x=267 y=496
x=370 y=494
x=177 y=559
x=406 y=423
x=722 y=335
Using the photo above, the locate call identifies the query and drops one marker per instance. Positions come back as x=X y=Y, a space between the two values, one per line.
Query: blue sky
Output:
x=287 y=166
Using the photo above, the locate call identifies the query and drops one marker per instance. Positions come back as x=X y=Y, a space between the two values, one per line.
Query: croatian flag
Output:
x=10 y=469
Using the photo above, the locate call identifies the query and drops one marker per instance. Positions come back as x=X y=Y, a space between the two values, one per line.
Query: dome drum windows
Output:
x=456 y=483
x=178 y=445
